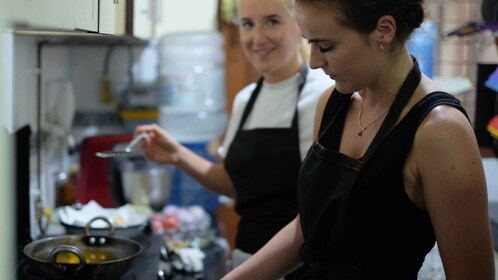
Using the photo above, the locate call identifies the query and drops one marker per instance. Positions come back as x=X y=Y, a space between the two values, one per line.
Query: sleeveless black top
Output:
x=357 y=220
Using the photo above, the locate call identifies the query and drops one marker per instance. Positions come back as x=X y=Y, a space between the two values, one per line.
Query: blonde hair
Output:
x=291 y=4
x=304 y=47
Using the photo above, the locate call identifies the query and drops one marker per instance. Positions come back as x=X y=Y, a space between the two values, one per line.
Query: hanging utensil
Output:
x=127 y=151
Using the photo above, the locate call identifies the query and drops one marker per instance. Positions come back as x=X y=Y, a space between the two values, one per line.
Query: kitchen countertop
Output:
x=147 y=266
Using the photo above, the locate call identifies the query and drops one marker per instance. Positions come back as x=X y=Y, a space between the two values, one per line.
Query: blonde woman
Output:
x=269 y=132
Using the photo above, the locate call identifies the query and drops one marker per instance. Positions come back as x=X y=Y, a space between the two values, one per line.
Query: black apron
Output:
x=263 y=164
x=339 y=220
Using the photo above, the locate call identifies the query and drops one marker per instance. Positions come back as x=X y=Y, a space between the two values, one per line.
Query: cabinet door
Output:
x=143 y=18
x=50 y=14
x=87 y=15
x=112 y=17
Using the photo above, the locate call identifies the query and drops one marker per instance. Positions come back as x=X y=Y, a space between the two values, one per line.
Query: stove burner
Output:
x=26 y=271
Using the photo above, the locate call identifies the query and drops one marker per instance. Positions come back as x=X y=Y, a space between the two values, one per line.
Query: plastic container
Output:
x=192 y=95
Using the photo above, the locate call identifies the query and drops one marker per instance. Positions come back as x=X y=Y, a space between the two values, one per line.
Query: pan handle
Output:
x=112 y=230
x=66 y=248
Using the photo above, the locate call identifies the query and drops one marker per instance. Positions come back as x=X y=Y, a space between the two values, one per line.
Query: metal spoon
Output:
x=127 y=150
x=165 y=269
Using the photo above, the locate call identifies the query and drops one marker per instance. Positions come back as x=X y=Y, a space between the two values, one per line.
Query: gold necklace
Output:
x=363 y=128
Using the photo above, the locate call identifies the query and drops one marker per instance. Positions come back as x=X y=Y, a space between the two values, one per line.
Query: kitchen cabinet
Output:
x=87 y=14
x=112 y=17
x=47 y=14
x=101 y=16
x=97 y=16
x=143 y=19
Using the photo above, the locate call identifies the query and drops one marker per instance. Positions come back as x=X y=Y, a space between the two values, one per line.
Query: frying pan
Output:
x=83 y=256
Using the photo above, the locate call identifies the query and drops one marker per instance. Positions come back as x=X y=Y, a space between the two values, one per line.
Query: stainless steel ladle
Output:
x=127 y=150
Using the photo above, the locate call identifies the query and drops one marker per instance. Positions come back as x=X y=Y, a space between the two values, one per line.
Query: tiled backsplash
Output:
x=459 y=56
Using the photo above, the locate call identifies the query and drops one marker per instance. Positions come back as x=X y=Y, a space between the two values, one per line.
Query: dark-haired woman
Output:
x=395 y=166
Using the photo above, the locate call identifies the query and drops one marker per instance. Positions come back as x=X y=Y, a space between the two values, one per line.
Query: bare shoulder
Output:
x=320 y=108
x=446 y=155
x=445 y=131
x=444 y=120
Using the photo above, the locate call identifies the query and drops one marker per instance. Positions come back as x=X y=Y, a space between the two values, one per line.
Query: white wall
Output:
x=182 y=16
x=6 y=98
x=6 y=189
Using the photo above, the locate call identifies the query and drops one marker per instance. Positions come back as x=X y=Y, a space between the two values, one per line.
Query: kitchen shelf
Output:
x=79 y=37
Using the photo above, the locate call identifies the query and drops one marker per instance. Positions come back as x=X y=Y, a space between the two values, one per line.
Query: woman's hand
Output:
x=158 y=145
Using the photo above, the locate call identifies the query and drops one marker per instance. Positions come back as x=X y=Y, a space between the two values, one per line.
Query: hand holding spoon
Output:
x=127 y=150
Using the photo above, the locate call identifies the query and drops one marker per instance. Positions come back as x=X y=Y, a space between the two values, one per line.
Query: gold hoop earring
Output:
x=381 y=46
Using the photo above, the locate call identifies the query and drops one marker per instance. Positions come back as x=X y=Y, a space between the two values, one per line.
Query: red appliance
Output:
x=93 y=180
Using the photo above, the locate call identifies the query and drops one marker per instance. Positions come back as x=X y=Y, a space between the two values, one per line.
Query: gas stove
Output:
x=149 y=263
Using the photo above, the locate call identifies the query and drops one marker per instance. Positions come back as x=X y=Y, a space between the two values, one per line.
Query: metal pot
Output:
x=83 y=256
x=126 y=232
x=138 y=181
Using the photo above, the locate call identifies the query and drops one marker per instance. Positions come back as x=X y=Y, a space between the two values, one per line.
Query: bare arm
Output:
x=161 y=147
x=276 y=259
x=449 y=168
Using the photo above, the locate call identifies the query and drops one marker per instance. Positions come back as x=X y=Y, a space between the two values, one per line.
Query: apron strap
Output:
x=404 y=94
x=251 y=102
x=303 y=73
x=337 y=101
x=418 y=113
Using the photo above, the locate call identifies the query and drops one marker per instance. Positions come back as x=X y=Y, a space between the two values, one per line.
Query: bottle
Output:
x=192 y=99
x=192 y=93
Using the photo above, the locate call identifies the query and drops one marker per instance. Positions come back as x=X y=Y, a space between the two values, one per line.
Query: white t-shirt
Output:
x=275 y=107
